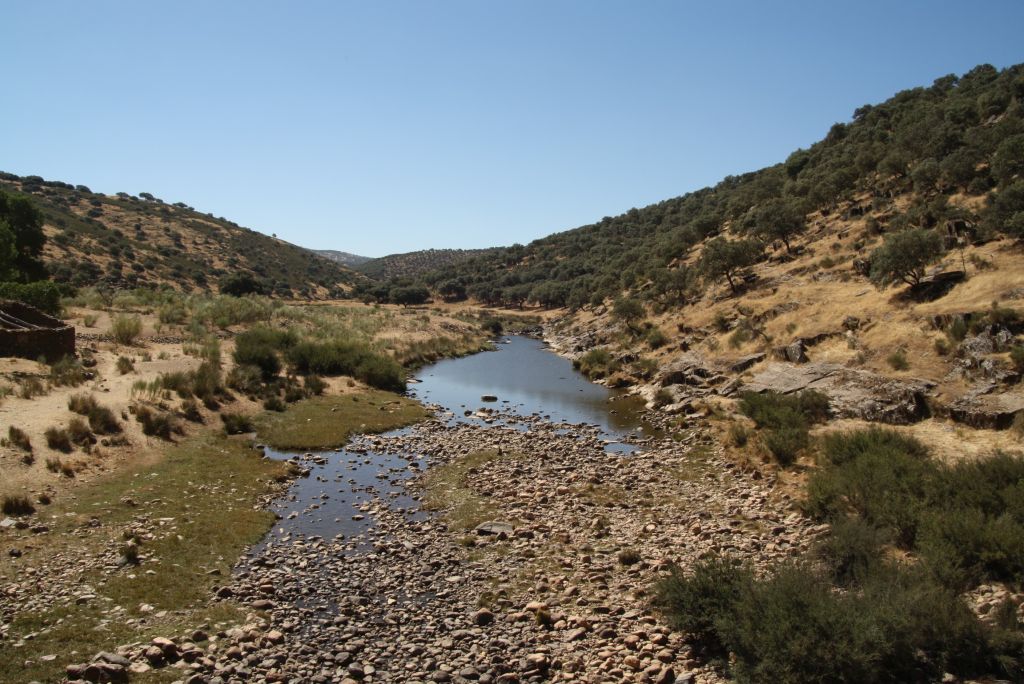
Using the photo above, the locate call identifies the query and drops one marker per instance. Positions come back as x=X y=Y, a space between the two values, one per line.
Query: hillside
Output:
x=925 y=157
x=416 y=264
x=344 y=258
x=124 y=241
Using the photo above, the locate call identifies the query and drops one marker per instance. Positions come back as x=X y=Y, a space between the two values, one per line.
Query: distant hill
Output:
x=913 y=161
x=343 y=258
x=415 y=264
x=125 y=241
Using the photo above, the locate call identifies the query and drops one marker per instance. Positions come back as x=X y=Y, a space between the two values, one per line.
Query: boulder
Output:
x=496 y=529
x=993 y=411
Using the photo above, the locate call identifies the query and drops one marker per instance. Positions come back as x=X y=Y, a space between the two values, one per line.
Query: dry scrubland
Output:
x=108 y=490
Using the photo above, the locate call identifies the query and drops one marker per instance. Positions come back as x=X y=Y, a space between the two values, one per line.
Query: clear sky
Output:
x=382 y=126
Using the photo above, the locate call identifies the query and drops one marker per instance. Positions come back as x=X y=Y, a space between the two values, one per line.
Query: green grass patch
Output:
x=328 y=422
x=447 y=489
x=206 y=530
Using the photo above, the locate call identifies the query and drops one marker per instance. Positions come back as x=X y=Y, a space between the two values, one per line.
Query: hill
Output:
x=416 y=264
x=924 y=158
x=124 y=241
x=344 y=258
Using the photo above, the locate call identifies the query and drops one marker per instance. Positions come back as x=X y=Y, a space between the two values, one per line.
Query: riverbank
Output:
x=556 y=588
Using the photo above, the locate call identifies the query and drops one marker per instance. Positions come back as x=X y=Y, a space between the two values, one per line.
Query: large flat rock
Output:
x=988 y=410
x=852 y=393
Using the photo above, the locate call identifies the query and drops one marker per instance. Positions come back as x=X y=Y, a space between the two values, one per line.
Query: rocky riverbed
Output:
x=555 y=586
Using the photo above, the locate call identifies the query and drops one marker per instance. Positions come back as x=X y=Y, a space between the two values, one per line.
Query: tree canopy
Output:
x=21 y=239
x=904 y=256
x=727 y=258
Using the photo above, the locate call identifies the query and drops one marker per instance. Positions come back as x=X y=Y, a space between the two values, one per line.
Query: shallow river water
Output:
x=527 y=380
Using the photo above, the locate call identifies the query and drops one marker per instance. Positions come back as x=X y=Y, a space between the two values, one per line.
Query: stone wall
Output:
x=52 y=339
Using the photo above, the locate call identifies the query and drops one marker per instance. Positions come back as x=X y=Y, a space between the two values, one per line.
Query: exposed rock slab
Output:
x=988 y=411
x=852 y=393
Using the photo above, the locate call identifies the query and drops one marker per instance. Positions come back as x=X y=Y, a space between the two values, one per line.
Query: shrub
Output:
x=957 y=329
x=699 y=603
x=493 y=326
x=774 y=410
x=596 y=363
x=18 y=438
x=67 y=372
x=786 y=443
x=125 y=365
x=274 y=403
x=314 y=384
x=31 y=387
x=236 y=423
x=1017 y=357
x=89 y=320
x=190 y=411
x=843 y=447
x=245 y=379
x=739 y=435
x=206 y=381
x=126 y=329
x=79 y=433
x=58 y=439
x=103 y=422
x=156 y=423
x=81 y=404
x=258 y=347
x=17 y=505
x=381 y=372
x=851 y=551
x=656 y=338
x=43 y=295
x=177 y=382
x=629 y=557
x=898 y=360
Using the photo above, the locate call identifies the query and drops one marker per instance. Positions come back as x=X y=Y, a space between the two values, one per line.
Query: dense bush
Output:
x=157 y=423
x=786 y=419
x=43 y=295
x=792 y=627
x=16 y=505
x=58 y=439
x=126 y=329
x=338 y=357
x=596 y=363
x=259 y=347
x=18 y=438
x=236 y=423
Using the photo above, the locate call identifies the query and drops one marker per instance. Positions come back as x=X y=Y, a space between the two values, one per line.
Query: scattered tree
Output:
x=727 y=258
x=779 y=219
x=904 y=257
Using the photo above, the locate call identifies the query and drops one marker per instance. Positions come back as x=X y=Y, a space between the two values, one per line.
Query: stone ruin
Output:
x=28 y=333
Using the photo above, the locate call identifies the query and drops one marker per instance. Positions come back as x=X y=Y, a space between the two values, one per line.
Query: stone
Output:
x=495 y=528
x=483 y=617
x=988 y=411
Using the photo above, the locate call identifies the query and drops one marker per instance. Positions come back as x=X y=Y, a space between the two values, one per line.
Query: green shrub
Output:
x=178 y=382
x=1017 y=357
x=381 y=372
x=851 y=551
x=699 y=604
x=236 y=423
x=156 y=423
x=739 y=337
x=125 y=329
x=656 y=338
x=18 y=438
x=739 y=435
x=17 y=505
x=842 y=447
x=31 y=387
x=493 y=326
x=58 y=439
x=274 y=403
x=258 y=347
x=314 y=385
x=43 y=295
x=793 y=627
x=245 y=379
x=596 y=363
x=67 y=372
x=957 y=329
x=774 y=410
x=898 y=360
x=785 y=444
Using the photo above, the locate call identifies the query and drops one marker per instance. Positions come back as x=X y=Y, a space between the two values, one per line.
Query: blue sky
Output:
x=380 y=127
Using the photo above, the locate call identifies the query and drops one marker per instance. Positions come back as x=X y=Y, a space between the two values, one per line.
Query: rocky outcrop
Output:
x=994 y=411
x=852 y=393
